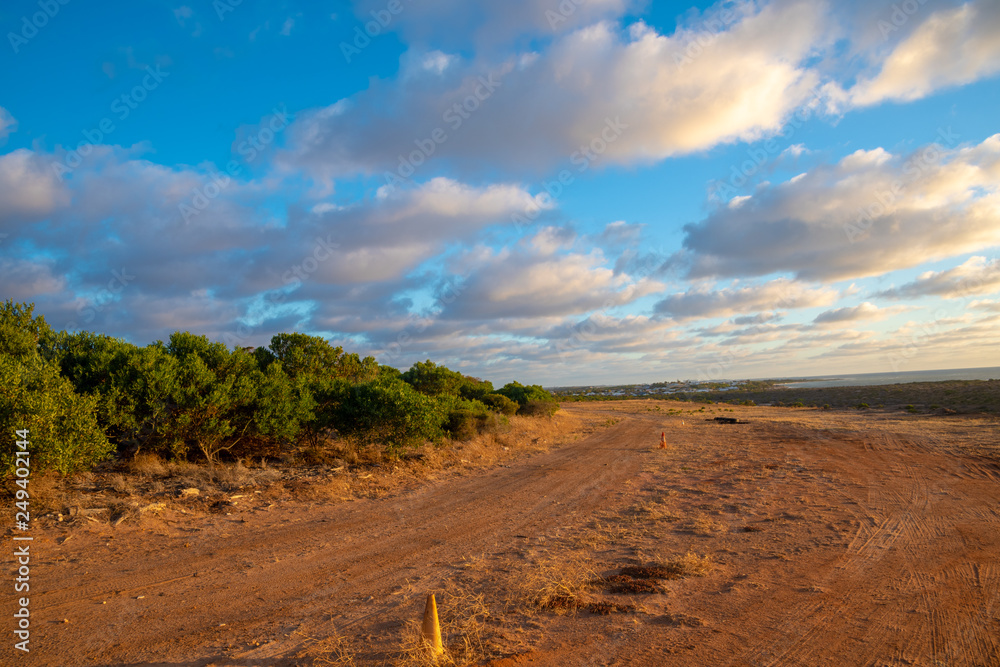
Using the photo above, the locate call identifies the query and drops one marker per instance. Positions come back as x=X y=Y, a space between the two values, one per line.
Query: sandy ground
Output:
x=836 y=538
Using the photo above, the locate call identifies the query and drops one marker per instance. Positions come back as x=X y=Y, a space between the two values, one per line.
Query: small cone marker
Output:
x=663 y=440
x=431 y=628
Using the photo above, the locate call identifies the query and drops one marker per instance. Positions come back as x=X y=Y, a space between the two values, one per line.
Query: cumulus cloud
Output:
x=126 y=213
x=871 y=213
x=25 y=279
x=985 y=304
x=703 y=301
x=951 y=47
x=597 y=93
x=385 y=238
x=539 y=278
x=976 y=275
x=864 y=311
x=29 y=189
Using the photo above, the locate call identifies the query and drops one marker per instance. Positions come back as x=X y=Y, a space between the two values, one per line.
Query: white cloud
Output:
x=704 y=301
x=869 y=214
x=25 y=279
x=29 y=188
x=951 y=47
x=540 y=279
x=286 y=28
x=597 y=93
x=975 y=276
x=864 y=311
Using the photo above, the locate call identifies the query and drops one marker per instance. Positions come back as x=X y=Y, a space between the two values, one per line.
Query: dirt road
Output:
x=836 y=539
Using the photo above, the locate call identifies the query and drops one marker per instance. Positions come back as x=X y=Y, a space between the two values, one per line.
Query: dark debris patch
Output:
x=604 y=608
x=652 y=571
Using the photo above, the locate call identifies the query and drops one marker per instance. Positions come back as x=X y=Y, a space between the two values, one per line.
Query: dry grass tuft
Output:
x=121 y=484
x=688 y=565
x=148 y=464
x=701 y=525
x=333 y=650
x=559 y=586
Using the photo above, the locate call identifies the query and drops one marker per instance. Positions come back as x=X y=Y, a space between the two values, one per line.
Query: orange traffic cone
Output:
x=663 y=440
x=431 y=629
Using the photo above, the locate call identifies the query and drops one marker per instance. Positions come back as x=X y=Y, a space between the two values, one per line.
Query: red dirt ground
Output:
x=836 y=538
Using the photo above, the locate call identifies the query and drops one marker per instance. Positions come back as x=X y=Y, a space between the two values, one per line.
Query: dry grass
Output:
x=701 y=525
x=687 y=565
x=333 y=650
x=558 y=585
x=646 y=511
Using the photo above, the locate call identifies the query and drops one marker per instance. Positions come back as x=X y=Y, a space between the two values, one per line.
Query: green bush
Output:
x=474 y=389
x=391 y=413
x=533 y=400
x=433 y=380
x=63 y=433
x=539 y=408
x=500 y=404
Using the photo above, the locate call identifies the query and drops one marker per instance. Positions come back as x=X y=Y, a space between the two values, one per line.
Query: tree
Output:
x=100 y=366
x=20 y=332
x=433 y=380
x=221 y=399
x=314 y=358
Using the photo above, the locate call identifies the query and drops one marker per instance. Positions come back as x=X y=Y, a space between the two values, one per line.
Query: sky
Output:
x=561 y=192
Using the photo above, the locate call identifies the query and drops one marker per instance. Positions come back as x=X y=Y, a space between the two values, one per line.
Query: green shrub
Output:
x=63 y=432
x=533 y=400
x=500 y=403
x=391 y=413
x=433 y=380
x=539 y=409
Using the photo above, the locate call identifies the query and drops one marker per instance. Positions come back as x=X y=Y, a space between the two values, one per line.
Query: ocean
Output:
x=869 y=379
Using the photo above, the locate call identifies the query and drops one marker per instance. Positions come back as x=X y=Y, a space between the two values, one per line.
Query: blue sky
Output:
x=584 y=191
